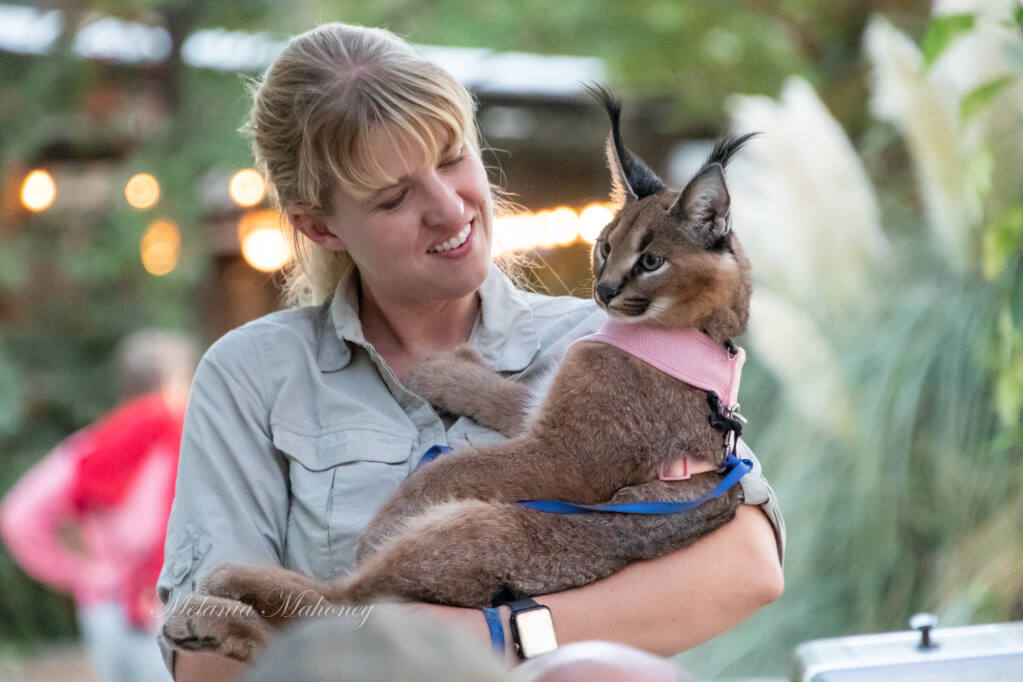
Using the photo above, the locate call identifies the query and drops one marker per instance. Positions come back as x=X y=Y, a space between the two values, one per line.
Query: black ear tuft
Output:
x=632 y=179
x=704 y=204
x=726 y=148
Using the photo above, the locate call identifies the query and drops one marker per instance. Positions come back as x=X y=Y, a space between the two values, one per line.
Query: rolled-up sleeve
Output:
x=231 y=495
x=757 y=491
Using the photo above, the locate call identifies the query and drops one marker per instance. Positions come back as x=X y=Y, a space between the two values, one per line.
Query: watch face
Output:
x=536 y=632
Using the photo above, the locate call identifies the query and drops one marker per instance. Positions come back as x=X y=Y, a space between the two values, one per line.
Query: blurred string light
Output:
x=29 y=30
x=160 y=247
x=263 y=244
x=142 y=191
x=550 y=229
x=38 y=191
x=246 y=187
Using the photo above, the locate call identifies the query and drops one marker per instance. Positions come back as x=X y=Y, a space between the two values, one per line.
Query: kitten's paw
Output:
x=263 y=588
x=467 y=353
x=440 y=378
x=217 y=625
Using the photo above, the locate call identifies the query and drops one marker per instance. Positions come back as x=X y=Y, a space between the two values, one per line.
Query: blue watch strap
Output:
x=493 y=617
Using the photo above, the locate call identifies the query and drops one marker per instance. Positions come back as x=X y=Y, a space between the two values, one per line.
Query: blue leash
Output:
x=735 y=467
x=432 y=454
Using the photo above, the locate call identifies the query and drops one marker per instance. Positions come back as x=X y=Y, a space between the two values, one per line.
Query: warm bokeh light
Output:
x=246 y=187
x=142 y=191
x=592 y=220
x=562 y=226
x=263 y=244
x=160 y=247
x=549 y=229
x=38 y=191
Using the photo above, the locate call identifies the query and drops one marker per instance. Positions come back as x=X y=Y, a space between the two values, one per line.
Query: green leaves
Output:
x=978 y=98
x=1009 y=377
x=942 y=32
x=1002 y=239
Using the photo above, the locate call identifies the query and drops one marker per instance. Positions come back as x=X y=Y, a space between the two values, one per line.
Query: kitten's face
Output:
x=671 y=268
x=670 y=258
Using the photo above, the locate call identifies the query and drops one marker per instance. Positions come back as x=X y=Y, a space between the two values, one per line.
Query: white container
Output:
x=975 y=653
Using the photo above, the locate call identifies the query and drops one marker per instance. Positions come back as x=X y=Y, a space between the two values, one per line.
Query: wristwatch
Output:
x=532 y=628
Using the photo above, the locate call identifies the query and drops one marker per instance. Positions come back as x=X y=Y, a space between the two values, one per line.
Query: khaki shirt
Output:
x=297 y=431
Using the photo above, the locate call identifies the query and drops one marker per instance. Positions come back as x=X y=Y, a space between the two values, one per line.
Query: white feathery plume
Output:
x=802 y=200
x=790 y=343
x=975 y=58
x=924 y=107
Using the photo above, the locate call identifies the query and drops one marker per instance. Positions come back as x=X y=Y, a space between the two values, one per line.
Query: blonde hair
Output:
x=312 y=118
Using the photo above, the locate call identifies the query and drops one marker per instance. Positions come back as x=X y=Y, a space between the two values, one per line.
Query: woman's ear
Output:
x=314 y=225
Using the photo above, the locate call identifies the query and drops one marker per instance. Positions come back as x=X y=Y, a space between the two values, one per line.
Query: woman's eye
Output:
x=605 y=248
x=392 y=204
x=452 y=162
x=651 y=261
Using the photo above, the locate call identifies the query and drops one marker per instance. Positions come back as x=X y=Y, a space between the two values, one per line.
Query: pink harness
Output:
x=690 y=356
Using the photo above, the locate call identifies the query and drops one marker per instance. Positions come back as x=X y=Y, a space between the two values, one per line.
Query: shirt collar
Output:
x=505 y=335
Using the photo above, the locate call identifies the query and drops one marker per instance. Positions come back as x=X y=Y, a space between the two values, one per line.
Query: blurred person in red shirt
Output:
x=90 y=517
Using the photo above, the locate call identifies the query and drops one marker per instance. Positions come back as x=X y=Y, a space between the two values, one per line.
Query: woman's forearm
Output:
x=674 y=603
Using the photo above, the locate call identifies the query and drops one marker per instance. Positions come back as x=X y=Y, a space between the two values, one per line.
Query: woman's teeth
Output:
x=454 y=242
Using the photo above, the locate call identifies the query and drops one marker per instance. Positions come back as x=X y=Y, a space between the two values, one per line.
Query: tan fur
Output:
x=453 y=534
x=455 y=383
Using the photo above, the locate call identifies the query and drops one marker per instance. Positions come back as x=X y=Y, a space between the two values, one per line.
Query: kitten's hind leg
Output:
x=460 y=383
x=274 y=592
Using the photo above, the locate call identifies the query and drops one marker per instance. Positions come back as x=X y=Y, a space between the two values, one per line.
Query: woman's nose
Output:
x=444 y=204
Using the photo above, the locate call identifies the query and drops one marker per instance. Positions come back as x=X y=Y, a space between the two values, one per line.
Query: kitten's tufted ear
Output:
x=704 y=204
x=631 y=178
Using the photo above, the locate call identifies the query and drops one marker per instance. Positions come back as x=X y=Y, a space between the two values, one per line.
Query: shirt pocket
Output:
x=339 y=479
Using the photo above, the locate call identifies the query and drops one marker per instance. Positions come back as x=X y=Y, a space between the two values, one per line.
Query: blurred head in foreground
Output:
x=599 y=662
x=388 y=643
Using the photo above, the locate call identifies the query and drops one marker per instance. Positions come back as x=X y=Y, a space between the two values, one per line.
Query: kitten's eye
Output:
x=605 y=248
x=650 y=261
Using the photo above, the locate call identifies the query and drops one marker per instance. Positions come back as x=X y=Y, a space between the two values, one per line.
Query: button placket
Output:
x=428 y=424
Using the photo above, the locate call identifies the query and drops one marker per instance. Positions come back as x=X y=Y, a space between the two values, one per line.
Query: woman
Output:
x=299 y=426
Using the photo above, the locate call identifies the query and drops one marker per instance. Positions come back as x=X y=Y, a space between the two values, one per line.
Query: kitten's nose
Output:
x=605 y=292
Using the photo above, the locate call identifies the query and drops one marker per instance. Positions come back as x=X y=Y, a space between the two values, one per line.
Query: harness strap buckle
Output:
x=675 y=470
x=733 y=413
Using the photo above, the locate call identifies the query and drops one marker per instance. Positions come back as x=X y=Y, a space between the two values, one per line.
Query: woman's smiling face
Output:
x=427 y=236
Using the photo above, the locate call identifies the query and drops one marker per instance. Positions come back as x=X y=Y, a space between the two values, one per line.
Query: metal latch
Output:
x=924 y=623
